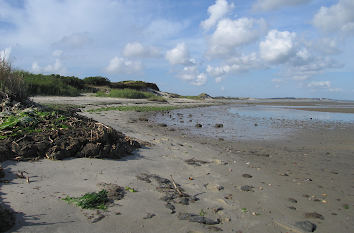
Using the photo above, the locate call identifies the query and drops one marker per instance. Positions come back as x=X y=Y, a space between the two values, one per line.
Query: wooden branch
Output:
x=174 y=185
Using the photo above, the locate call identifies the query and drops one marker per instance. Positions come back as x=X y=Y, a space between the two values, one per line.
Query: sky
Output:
x=238 y=48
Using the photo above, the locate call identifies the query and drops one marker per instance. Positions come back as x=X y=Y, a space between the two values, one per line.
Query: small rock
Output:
x=162 y=125
x=306 y=226
x=247 y=176
x=171 y=207
x=292 y=200
x=247 y=188
x=219 y=125
x=197 y=218
x=97 y=218
x=198 y=125
x=292 y=207
x=149 y=215
x=214 y=228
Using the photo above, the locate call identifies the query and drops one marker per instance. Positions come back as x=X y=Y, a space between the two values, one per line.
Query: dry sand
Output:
x=306 y=176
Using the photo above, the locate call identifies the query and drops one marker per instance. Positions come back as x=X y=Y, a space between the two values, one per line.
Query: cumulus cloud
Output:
x=266 y=5
x=235 y=65
x=118 y=65
x=5 y=54
x=179 y=55
x=136 y=49
x=192 y=75
x=230 y=34
x=216 y=12
x=56 y=68
x=278 y=46
x=319 y=84
x=338 y=17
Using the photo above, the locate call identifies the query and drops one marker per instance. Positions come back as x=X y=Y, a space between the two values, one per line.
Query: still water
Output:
x=258 y=122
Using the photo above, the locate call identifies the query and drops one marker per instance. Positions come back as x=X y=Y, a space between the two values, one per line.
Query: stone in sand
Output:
x=171 y=207
x=292 y=200
x=198 y=125
x=219 y=125
x=247 y=188
x=247 y=176
x=197 y=218
x=149 y=215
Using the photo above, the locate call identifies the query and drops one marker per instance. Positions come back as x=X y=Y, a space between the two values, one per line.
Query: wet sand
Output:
x=249 y=185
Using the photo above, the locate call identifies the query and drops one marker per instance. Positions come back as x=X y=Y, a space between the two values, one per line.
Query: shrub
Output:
x=126 y=93
x=12 y=82
x=97 y=81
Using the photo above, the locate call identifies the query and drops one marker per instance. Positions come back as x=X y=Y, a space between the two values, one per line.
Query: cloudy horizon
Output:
x=239 y=48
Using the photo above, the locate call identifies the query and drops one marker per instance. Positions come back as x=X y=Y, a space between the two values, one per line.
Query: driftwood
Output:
x=175 y=186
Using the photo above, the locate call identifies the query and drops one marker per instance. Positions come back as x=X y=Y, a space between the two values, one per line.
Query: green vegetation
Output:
x=26 y=122
x=192 y=97
x=11 y=82
x=39 y=84
x=126 y=93
x=136 y=85
x=135 y=108
x=90 y=200
x=97 y=81
x=130 y=189
x=157 y=98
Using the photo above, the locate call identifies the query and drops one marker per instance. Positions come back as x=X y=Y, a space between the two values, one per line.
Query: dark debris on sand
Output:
x=33 y=132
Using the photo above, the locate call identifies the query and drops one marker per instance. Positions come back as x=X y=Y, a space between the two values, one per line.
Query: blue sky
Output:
x=245 y=48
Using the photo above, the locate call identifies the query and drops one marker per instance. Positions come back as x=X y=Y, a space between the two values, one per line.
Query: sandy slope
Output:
x=311 y=171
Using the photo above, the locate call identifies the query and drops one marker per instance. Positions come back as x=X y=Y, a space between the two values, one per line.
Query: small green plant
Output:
x=202 y=213
x=132 y=190
x=346 y=206
x=244 y=210
x=90 y=200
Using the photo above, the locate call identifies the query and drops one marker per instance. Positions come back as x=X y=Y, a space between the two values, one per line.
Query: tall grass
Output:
x=12 y=82
x=126 y=93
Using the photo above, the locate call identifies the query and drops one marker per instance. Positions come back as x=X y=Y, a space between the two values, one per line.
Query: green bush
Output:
x=90 y=200
x=12 y=82
x=126 y=93
x=39 y=84
x=97 y=81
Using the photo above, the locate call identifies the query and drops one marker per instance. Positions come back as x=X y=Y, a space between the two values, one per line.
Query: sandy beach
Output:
x=247 y=186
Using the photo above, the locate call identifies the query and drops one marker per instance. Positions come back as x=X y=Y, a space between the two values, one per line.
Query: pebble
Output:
x=149 y=215
x=292 y=200
x=247 y=176
x=247 y=188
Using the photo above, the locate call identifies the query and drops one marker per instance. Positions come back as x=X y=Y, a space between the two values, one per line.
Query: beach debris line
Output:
x=34 y=132
x=174 y=193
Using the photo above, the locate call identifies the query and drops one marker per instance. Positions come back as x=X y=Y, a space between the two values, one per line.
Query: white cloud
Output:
x=319 y=84
x=218 y=79
x=5 y=54
x=192 y=75
x=73 y=41
x=237 y=64
x=216 y=12
x=278 y=46
x=179 y=55
x=121 y=65
x=136 y=49
x=230 y=34
x=56 y=68
x=338 y=17
x=57 y=53
x=266 y=5
x=326 y=46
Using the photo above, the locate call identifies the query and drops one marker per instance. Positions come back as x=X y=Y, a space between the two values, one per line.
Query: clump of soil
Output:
x=35 y=132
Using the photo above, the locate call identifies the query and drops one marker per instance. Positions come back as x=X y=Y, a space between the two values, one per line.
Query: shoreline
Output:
x=309 y=172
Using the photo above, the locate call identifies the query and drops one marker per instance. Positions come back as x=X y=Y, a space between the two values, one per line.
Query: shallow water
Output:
x=258 y=122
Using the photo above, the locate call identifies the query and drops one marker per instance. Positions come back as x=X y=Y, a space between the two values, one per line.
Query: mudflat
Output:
x=187 y=183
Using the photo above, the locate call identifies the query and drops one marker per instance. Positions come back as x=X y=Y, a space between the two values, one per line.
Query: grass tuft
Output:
x=90 y=200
